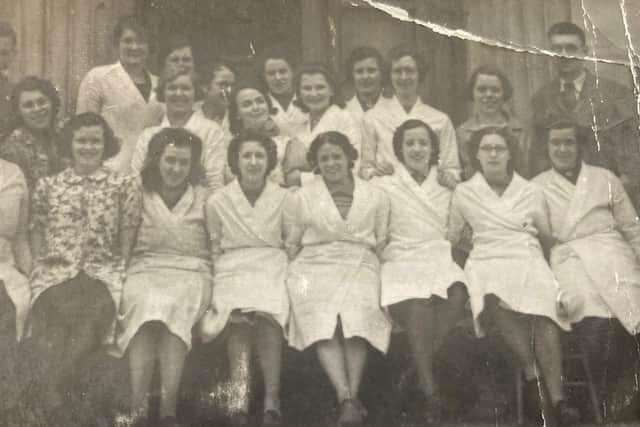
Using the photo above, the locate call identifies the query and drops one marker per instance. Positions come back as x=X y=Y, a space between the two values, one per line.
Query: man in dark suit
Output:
x=7 y=54
x=579 y=96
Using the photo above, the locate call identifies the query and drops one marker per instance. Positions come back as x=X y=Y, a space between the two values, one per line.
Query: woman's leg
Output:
x=172 y=353
x=548 y=353
x=355 y=352
x=449 y=313
x=517 y=334
x=239 y=357
x=268 y=340
x=331 y=355
x=418 y=319
x=142 y=351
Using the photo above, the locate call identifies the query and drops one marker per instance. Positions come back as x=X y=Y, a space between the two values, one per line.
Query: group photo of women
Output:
x=304 y=233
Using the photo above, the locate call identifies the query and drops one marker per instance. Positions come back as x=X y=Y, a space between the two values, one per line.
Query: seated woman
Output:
x=418 y=274
x=169 y=281
x=333 y=227
x=249 y=111
x=249 y=296
x=589 y=209
x=82 y=225
x=180 y=90
x=15 y=264
x=489 y=90
x=123 y=92
x=509 y=282
x=33 y=143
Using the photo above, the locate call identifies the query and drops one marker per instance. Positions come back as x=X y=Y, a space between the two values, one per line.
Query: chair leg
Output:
x=593 y=394
x=519 y=396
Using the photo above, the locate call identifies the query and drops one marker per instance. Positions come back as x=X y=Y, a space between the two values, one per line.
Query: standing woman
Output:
x=364 y=69
x=168 y=284
x=177 y=55
x=276 y=71
x=218 y=82
x=406 y=72
x=316 y=92
x=179 y=90
x=489 y=90
x=420 y=283
x=510 y=284
x=249 y=111
x=33 y=143
x=249 y=296
x=123 y=93
x=83 y=222
x=335 y=225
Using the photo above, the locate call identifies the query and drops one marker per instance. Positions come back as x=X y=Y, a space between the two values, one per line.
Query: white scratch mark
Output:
x=631 y=53
x=403 y=15
x=588 y=24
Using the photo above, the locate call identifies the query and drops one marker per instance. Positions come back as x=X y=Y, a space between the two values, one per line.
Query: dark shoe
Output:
x=272 y=418
x=350 y=414
x=566 y=416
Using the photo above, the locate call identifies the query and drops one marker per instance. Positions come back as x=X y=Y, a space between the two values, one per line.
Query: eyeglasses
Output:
x=499 y=149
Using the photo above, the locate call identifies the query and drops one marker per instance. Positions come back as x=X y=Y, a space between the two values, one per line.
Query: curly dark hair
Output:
x=403 y=50
x=235 y=122
x=398 y=139
x=180 y=137
x=335 y=138
x=133 y=23
x=168 y=76
x=316 y=68
x=89 y=119
x=28 y=84
x=513 y=147
x=360 y=53
x=233 y=153
x=507 y=87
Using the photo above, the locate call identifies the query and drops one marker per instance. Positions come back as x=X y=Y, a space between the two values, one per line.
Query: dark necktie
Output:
x=569 y=96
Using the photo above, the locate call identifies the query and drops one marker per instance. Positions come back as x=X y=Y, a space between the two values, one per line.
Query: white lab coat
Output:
x=381 y=122
x=108 y=90
x=506 y=259
x=598 y=244
x=336 y=274
x=250 y=261
x=14 y=205
x=417 y=260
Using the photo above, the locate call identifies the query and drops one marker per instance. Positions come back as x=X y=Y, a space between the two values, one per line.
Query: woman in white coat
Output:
x=123 y=93
x=365 y=70
x=249 y=299
x=180 y=90
x=511 y=286
x=334 y=226
x=420 y=283
x=168 y=285
x=407 y=70
x=249 y=111
x=316 y=92
x=277 y=72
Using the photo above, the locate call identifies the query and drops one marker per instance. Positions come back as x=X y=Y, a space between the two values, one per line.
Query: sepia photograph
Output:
x=323 y=213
